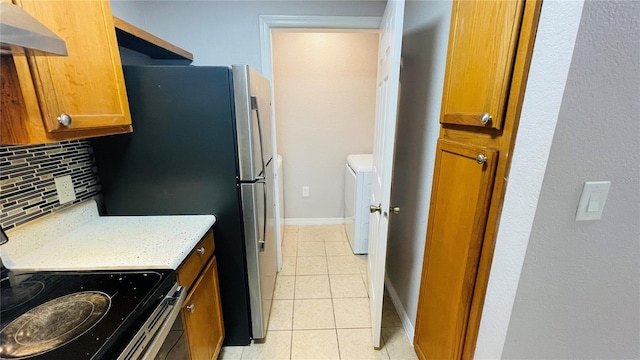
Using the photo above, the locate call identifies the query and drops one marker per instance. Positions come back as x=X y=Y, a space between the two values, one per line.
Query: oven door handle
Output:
x=154 y=346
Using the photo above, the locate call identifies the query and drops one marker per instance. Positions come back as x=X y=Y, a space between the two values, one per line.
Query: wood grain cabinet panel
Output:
x=482 y=46
x=202 y=316
x=217 y=328
x=196 y=260
x=462 y=186
x=202 y=309
x=88 y=84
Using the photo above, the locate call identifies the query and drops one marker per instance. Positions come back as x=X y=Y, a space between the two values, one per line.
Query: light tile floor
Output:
x=321 y=304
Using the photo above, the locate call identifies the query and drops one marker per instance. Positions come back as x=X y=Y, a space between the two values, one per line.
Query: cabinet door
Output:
x=217 y=327
x=462 y=186
x=88 y=85
x=202 y=316
x=482 y=46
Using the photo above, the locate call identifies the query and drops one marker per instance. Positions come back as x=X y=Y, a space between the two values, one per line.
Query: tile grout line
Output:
x=338 y=343
x=293 y=305
x=333 y=310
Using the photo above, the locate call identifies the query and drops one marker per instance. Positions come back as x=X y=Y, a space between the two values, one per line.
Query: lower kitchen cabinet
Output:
x=202 y=316
x=202 y=310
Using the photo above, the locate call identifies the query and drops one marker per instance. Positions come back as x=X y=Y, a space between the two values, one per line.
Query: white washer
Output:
x=357 y=191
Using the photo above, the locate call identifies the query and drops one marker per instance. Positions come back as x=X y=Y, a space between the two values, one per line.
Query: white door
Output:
x=388 y=86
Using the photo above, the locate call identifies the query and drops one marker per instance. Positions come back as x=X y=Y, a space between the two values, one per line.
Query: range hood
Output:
x=20 y=31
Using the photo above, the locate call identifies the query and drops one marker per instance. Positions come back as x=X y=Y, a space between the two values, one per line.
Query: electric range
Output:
x=74 y=314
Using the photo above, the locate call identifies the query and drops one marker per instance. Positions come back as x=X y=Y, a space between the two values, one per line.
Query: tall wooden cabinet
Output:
x=55 y=98
x=490 y=48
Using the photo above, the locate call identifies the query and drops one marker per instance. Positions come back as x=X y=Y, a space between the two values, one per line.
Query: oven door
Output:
x=162 y=332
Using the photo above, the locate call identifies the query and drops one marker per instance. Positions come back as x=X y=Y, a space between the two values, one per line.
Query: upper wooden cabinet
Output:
x=482 y=47
x=87 y=86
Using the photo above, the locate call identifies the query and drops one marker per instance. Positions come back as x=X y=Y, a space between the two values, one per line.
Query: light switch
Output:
x=594 y=202
x=594 y=195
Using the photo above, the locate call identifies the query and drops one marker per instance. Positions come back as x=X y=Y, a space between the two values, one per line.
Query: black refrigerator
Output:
x=201 y=144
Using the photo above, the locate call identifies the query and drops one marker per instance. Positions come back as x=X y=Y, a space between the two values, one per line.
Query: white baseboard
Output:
x=402 y=313
x=313 y=221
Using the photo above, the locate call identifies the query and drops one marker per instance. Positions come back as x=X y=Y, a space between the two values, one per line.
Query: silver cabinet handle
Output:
x=485 y=118
x=64 y=119
x=200 y=250
x=191 y=308
x=481 y=159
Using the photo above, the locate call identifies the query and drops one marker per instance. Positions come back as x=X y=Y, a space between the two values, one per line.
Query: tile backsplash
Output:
x=27 y=188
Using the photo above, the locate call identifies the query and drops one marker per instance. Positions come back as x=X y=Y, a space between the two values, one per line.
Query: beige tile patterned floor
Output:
x=321 y=305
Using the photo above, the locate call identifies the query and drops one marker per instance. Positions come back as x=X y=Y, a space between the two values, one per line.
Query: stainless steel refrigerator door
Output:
x=257 y=205
x=252 y=94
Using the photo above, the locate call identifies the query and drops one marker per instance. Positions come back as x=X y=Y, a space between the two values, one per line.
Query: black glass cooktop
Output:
x=76 y=315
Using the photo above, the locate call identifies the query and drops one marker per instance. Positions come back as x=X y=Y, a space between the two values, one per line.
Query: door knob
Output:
x=200 y=250
x=481 y=159
x=191 y=308
x=373 y=208
x=486 y=118
x=395 y=210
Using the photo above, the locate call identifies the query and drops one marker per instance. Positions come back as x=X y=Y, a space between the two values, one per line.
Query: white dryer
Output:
x=357 y=192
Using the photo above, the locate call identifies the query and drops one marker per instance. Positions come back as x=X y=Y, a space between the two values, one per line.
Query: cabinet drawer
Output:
x=196 y=260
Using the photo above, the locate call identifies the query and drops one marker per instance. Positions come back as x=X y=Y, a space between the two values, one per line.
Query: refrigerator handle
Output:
x=254 y=106
x=264 y=219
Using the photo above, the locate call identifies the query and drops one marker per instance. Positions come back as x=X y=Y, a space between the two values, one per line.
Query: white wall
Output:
x=325 y=92
x=226 y=32
x=130 y=11
x=579 y=293
x=424 y=52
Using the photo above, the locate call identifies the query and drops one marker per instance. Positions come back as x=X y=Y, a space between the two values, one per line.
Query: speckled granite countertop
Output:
x=78 y=238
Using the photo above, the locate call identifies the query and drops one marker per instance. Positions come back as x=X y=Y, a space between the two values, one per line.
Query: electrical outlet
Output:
x=65 y=190
x=305 y=191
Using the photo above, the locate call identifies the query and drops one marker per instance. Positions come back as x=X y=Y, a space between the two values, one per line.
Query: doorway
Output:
x=324 y=97
x=324 y=86
x=270 y=24
x=324 y=83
